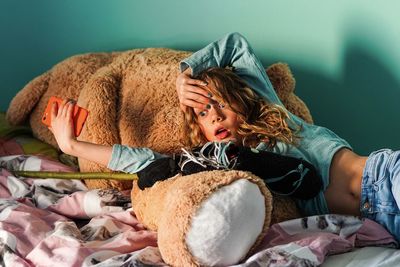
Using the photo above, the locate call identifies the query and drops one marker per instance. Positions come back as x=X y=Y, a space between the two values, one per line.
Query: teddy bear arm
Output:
x=284 y=208
x=191 y=213
x=101 y=97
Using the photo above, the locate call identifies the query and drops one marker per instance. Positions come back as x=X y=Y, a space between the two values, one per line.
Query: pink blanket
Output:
x=50 y=222
x=308 y=241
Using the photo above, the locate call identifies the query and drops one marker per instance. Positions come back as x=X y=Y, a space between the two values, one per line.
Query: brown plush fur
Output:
x=182 y=196
x=131 y=98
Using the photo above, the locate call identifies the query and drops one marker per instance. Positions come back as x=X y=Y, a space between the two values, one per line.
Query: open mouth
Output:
x=222 y=133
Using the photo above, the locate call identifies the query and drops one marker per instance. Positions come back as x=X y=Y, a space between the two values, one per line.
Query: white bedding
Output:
x=365 y=257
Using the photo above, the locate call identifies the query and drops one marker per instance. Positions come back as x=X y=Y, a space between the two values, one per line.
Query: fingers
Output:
x=64 y=108
x=202 y=91
x=194 y=103
x=54 y=110
x=186 y=77
x=195 y=82
x=62 y=111
x=194 y=100
x=192 y=92
x=185 y=82
x=70 y=110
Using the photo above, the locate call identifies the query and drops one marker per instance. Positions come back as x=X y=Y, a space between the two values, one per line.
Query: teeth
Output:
x=220 y=130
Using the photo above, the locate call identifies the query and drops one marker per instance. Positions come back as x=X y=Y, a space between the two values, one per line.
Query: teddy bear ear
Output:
x=26 y=101
x=282 y=79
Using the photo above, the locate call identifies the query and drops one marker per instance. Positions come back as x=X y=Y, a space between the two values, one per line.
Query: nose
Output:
x=217 y=119
x=217 y=115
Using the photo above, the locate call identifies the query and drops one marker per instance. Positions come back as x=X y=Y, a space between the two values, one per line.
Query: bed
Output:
x=366 y=256
x=51 y=222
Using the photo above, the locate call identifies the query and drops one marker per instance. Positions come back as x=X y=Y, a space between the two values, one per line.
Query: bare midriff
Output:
x=344 y=190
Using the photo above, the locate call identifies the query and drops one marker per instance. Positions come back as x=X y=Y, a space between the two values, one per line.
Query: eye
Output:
x=221 y=105
x=202 y=113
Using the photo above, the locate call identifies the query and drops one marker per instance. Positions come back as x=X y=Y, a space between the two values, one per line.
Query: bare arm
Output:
x=63 y=129
x=100 y=154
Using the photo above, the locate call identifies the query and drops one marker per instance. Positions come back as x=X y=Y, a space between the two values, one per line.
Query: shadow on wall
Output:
x=362 y=108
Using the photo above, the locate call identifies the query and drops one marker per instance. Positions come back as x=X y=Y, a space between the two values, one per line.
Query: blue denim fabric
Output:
x=380 y=190
x=131 y=159
x=317 y=144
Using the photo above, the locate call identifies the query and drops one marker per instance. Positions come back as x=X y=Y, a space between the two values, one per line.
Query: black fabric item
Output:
x=281 y=174
x=164 y=168
x=158 y=170
x=268 y=166
x=193 y=167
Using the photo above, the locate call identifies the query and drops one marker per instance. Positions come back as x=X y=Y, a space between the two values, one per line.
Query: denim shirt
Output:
x=317 y=144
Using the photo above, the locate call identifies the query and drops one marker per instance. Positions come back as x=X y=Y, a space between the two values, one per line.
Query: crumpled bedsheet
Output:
x=52 y=222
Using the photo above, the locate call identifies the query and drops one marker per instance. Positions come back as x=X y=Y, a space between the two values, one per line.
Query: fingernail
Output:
x=208 y=106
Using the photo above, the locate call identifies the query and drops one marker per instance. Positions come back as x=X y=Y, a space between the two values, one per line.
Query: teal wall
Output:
x=344 y=54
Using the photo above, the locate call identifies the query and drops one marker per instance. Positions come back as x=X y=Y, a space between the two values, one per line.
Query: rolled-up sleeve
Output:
x=130 y=159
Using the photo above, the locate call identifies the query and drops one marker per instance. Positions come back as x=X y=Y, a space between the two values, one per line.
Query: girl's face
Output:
x=218 y=122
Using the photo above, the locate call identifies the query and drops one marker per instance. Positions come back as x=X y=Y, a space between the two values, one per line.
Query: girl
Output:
x=245 y=118
x=352 y=184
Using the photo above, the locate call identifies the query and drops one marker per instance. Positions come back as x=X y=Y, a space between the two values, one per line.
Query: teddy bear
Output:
x=131 y=99
x=212 y=218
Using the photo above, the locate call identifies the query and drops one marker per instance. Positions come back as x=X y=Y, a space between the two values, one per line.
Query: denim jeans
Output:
x=317 y=144
x=380 y=190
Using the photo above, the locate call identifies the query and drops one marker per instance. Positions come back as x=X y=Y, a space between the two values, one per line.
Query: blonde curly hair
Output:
x=260 y=121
